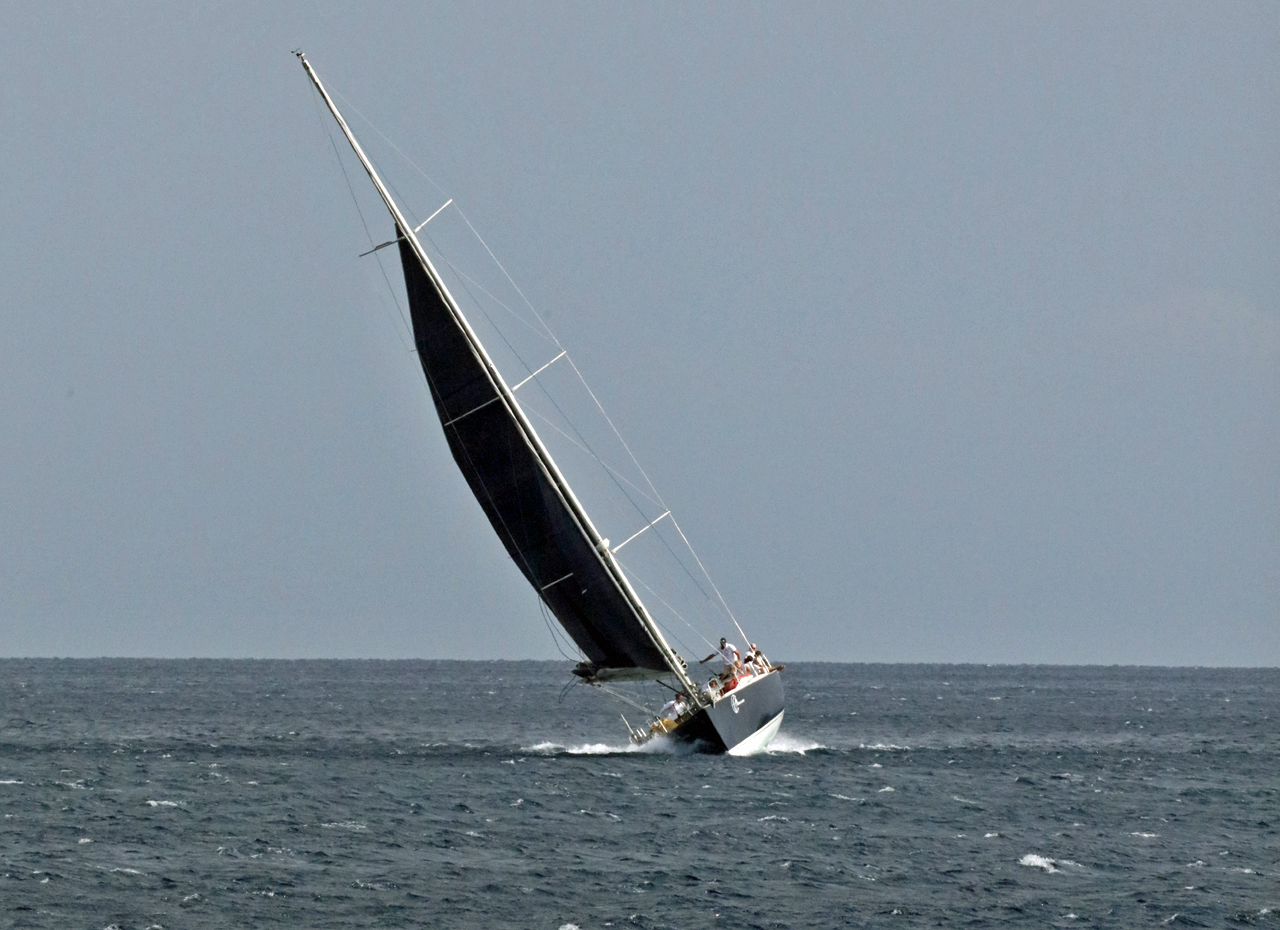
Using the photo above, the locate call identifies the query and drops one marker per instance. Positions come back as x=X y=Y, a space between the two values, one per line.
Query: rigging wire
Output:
x=661 y=601
x=584 y=444
x=411 y=162
x=745 y=637
x=480 y=307
x=555 y=637
x=315 y=96
x=573 y=682
x=601 y=462
x=626 y=700
x=399 y=332
x=608 y=420
x=480 y=288
x=663 y=503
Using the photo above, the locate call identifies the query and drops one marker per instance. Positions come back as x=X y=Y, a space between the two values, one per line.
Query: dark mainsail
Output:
x=528 y=511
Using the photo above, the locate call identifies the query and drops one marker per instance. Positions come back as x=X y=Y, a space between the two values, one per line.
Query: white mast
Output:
x=508 y=398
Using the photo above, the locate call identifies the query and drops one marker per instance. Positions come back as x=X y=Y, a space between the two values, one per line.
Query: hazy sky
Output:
x=951 y=332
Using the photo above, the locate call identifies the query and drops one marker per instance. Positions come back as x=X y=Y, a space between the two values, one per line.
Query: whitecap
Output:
x=843 y=797
x=128 y=871
x=1146 y=835
x=568 y=927
x=586 y=749
x=785 y=742
x=85 y=839
x=163 y=804
x=10 y=781
x=346 y=825
x=1039 y=862
x=884 y=789
x=885 y=747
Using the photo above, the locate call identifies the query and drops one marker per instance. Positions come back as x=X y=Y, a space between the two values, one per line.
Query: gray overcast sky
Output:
x=951 y=332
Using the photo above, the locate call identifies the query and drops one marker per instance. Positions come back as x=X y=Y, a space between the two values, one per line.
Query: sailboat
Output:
x=547 y=531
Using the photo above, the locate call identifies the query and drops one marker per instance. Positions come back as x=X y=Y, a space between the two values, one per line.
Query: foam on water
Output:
x=1039 y=862
x=782 y=743
x=580 y=749
x=1044 y=862
x=788 y=742
x=659 y=744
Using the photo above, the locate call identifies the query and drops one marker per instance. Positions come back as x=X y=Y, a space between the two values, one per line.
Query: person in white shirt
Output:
x=728 y=654
x=674 y=708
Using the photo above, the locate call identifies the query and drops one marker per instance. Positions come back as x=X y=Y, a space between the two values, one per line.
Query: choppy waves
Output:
x=344 y=794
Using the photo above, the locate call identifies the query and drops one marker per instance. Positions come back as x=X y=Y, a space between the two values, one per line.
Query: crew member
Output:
x=761 y=659
x=674 y=709
x=728 y=654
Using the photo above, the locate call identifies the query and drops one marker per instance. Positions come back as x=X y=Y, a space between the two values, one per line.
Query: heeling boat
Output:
x=545 y=528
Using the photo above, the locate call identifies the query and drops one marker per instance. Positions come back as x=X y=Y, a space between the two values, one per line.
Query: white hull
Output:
x=759 y=740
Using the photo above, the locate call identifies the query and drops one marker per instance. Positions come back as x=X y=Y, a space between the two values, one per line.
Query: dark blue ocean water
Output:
x=141 y=793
